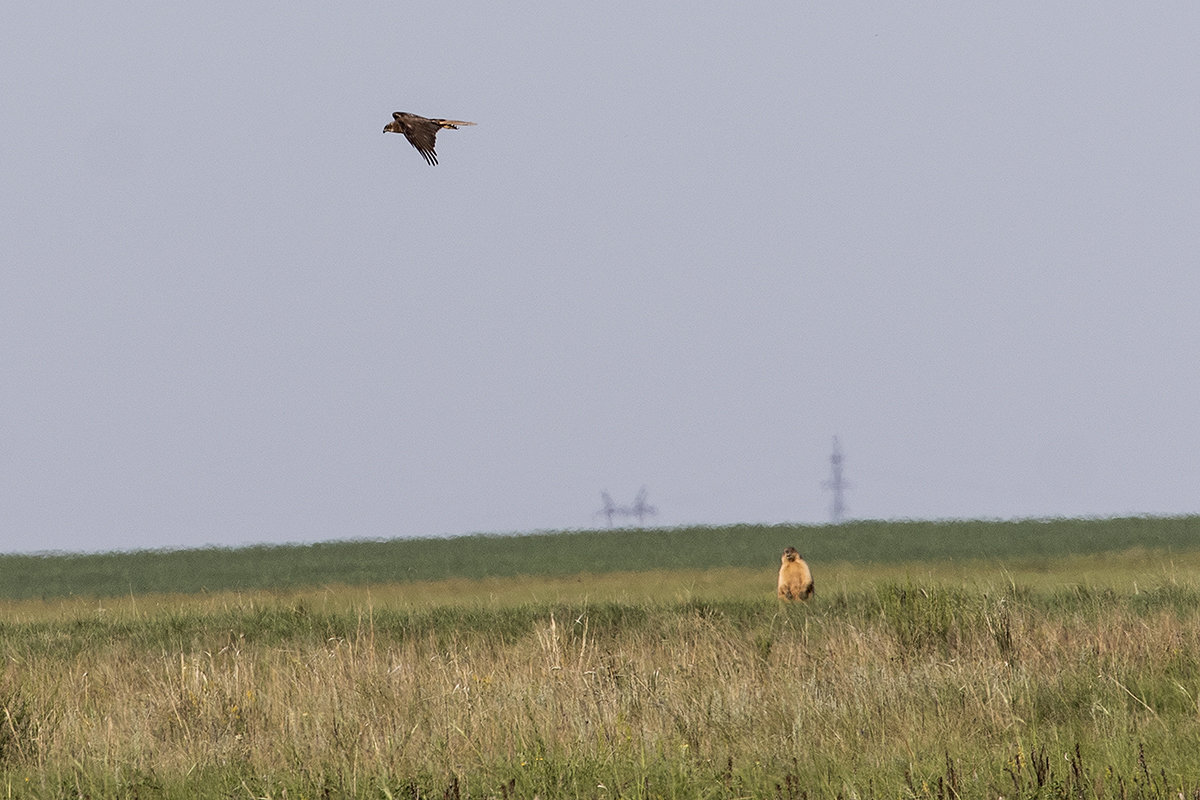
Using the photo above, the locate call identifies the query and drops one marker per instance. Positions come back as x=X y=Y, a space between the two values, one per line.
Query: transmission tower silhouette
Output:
x=609 y=509
x=640 y=508
x=837 y=484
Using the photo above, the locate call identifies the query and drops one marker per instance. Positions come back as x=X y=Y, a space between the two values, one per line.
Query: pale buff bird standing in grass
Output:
x=795 y=578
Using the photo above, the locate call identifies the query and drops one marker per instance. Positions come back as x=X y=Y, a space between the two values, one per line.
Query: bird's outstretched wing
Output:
x=421 y=132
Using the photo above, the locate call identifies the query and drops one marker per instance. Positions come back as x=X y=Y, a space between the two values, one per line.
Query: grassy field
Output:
x=985 y=671
x=561 y=554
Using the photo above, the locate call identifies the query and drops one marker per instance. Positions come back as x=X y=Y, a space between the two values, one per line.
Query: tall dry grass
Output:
x=901 y=688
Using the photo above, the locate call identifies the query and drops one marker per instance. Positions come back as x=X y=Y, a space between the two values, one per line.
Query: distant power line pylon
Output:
x=640 y=508
x=837 y=484
x=609 y=509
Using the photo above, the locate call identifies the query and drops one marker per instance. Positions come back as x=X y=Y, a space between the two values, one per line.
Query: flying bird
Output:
x=421 y=131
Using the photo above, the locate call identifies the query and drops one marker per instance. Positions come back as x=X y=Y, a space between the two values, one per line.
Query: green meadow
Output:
x=588 y=552
x=1032 y=659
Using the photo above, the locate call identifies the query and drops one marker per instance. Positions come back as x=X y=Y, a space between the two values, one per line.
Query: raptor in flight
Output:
x=421 y=131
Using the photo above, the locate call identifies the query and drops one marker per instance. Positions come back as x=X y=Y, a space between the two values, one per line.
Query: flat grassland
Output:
x=1056 y=659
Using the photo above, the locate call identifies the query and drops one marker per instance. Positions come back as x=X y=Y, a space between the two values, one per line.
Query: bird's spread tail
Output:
x=452 y=123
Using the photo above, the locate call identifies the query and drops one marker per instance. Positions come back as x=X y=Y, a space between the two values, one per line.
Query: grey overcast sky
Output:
x=685 y=247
